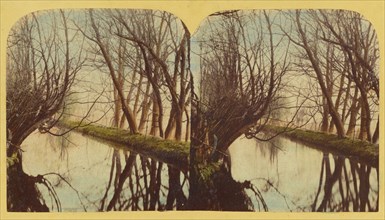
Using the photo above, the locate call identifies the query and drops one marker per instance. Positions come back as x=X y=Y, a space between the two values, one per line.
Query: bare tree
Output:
x=42 y=66
x=242 y=67
x=43 y=58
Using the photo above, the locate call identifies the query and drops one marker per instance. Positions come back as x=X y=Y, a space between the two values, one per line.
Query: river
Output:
x=96 y=176
x=100 y=176
x=295 y=177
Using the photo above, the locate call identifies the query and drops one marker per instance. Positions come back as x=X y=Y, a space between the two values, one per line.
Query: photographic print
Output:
x=256 y=110
x=276 y=101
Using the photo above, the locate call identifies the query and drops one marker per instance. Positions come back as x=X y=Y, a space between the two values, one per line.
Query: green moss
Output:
x=168 y=151
x=206 y=171
x=360 y=149
x=12 y=160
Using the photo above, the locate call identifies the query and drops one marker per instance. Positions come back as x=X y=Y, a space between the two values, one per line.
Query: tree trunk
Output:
x=337 y=103
x=178 y=126
x=138 y=91
x=356 y=105
x=155 y=117
x=325 y=115
x=153 y=79
x=365 y=133
x=376 y=134
x=170 y=124
x=117 y=109
x=347 y=95
x=187 y=125
x=146 y=104
x=353 y=120
x=22 y=192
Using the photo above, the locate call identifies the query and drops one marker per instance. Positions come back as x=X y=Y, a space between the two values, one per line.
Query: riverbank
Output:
x=167 y=151
x=361 y=150
x=177 y=153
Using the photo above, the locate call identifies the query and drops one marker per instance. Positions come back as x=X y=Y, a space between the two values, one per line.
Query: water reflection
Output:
x=277 y=176
x=346 y=188
x=294 y=177
x=94 y=176
x=139 y=185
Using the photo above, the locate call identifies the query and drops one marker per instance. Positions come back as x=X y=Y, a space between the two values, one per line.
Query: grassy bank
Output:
x=168 y=151
x=359 y=149
x=177 y=153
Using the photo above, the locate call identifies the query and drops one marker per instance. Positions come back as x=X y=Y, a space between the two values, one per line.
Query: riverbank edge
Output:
x=168 y=151
x=177 y=153
x=358 y=149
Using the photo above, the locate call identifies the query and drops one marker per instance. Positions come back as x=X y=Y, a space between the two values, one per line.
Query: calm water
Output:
x=104 y=178
x=294 y=177
x=288 y=175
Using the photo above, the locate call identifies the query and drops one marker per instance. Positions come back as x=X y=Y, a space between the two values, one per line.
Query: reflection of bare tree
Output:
x=155 y=181
x=175 y=192
x=344 y=189
x=122 y=178
x=138 y=186
x=115 y=163
x=270 y=149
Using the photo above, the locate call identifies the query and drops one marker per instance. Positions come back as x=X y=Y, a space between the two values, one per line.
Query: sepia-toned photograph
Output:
x=257 y=110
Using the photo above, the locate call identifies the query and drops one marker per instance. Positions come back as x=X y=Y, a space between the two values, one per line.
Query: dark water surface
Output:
x=288 y=175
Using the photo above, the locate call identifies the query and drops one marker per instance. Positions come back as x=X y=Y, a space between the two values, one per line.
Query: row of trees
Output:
x=338 y=50
x=145 y=53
